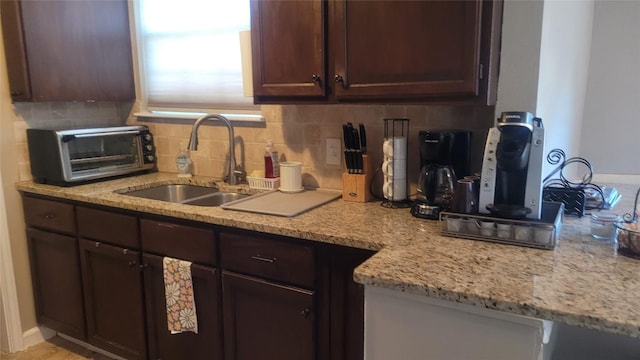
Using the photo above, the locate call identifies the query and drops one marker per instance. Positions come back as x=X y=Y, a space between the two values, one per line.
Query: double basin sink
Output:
x=187 y=194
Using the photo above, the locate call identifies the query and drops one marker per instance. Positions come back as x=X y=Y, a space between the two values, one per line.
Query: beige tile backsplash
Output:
x=299 y=133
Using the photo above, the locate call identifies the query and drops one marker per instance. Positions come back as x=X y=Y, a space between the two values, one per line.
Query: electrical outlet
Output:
x=333 y=151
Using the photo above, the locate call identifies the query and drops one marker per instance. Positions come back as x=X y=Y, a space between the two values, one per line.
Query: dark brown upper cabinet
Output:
x=414 y=51
x=288 y=48
x=68 y=50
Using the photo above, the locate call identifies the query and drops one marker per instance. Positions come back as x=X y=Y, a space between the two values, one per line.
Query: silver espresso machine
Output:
x=511 y=182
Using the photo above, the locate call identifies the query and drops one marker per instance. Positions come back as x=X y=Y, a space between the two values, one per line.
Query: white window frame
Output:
x=152 y=112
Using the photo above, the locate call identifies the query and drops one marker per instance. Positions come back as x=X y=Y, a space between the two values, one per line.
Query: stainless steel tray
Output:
x=541 y=234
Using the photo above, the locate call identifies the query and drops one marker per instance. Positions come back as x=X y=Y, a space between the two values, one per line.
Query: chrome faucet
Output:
x=235 y=172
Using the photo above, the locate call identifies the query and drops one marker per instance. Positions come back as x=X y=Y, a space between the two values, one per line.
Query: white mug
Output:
x=291 y=176
x=395 y=147
x=395 y=190
x=396 y=168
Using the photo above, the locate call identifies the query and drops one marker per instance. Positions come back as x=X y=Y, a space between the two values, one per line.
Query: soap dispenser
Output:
x=183 y=163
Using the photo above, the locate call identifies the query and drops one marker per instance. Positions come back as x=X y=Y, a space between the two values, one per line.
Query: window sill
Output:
x=170 y=115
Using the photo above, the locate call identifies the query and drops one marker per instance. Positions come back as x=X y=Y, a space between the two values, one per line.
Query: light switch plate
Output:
x=333 y=151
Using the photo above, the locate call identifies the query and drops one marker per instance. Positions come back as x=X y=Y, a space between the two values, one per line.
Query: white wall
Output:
x=544 y=67
x=562 y=81
x=611 y=128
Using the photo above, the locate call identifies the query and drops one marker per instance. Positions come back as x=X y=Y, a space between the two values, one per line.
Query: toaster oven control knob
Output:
x=150 y=158
x=147 y=137
x=149 y=147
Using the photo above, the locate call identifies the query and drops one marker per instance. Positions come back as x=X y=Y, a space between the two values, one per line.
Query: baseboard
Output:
x=36 y=335
x=90 y=347
x=39 y=334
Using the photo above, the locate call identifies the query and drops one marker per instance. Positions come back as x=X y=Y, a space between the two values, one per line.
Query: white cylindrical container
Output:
x=291 y=177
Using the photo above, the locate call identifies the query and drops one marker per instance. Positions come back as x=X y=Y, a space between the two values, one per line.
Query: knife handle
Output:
x=358 y=155
x=363 y=138
x=347 y=160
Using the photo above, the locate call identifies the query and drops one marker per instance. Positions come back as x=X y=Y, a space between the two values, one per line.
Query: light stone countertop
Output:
x=581 y=282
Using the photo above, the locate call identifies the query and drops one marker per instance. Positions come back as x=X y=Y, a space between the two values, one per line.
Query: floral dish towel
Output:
x=178 y=289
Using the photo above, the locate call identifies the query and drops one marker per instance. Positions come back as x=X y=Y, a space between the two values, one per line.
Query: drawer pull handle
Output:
x=132 y=263
x=263 y=259
x=165 y=225
x=49 y=216
x=97 y=244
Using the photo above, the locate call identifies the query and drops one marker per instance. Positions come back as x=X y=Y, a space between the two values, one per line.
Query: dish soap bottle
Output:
x=271 y=165
x=183 y=163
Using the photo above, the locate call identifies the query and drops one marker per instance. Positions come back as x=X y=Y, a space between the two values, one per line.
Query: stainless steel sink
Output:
x=187 y=194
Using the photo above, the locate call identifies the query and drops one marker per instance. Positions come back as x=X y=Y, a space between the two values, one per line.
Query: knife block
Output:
x=356 y=187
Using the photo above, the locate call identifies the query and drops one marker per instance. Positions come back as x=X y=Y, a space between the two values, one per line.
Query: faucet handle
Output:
x=240 y=175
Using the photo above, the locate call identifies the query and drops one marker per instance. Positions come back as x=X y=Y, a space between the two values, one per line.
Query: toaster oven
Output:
x=71 y=157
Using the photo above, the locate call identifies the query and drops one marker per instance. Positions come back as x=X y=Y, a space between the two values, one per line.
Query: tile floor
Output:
x=55 y=348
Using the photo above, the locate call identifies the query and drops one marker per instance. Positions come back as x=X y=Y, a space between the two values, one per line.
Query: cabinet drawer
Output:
x=268 y=258
x=49 y=215
x=108 y=226
x=183 y=242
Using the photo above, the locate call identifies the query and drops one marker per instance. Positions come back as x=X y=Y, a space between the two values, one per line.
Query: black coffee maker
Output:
x=444 y=158
x=511 y=182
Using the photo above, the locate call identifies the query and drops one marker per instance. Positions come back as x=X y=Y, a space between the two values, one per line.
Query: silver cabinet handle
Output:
x=305 y=312
x=342 y=80
x=263 y=259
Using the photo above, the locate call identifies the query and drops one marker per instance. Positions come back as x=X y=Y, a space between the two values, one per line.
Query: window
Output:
x=190 y=56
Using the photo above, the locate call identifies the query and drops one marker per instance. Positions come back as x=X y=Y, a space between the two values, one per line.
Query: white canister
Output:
x=291 y=176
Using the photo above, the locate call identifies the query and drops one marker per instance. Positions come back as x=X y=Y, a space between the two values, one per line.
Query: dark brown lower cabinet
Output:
x=102 y=292
x=57 y=283
x=113 y=296
x=207 y=343
x=347 y=303
x=265 y=320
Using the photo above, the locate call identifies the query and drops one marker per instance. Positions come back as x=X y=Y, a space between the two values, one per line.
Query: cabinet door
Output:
x=406 y=49
x=57 y=284
x=207 y=343
x=15 y=55
x=113 y=296
x=263 y=320
x=78 y=50
x=288 y=48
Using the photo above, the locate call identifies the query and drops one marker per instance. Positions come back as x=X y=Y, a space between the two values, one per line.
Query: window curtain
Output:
x=190 y=53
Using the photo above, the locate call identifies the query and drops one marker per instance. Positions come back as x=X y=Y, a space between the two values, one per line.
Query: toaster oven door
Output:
x=91 y=156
